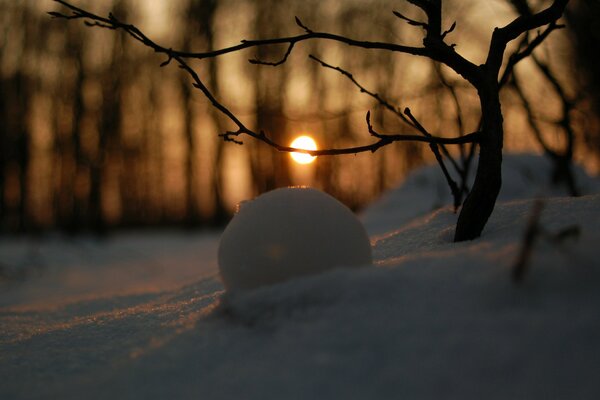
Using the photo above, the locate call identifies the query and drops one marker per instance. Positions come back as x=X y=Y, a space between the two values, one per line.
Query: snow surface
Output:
x=287 y=233
x=145 y=317
x=524 y=176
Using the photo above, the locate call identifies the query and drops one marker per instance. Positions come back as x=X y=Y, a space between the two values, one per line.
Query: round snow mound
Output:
x=287 y=233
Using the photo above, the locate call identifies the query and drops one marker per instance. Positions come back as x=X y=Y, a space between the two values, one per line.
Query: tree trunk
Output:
x=481 y=200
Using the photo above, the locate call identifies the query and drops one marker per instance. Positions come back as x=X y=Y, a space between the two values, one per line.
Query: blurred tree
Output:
x=115 y=142
x=15 y=151
x=562 y=158
x=199 y=31
x=583 y=17
x=480 y=202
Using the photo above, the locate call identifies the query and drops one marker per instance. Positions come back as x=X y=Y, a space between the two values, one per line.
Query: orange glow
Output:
x=306 y=143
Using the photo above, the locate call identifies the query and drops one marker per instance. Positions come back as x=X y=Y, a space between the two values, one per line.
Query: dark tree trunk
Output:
x=480 y=202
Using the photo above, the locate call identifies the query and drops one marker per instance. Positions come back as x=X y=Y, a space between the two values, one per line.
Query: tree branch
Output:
x=470 y=138
x=410 y=21
x=274 y=64
x=376 y=96
x=114 y=23
x=502 y=36
x=456 y=195
x=442 y=53
x=523 y=53
x=261 y=136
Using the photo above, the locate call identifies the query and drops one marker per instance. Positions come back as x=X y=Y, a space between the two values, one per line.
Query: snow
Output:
x=432 y=319
x=524 y=176
x=287 y=233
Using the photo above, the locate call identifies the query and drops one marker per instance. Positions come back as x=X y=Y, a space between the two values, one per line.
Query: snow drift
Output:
x=433 y=319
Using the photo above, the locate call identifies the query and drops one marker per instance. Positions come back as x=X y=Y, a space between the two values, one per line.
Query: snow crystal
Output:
x=290 y=232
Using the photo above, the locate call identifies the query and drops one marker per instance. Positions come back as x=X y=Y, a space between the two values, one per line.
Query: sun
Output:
x=307 y=143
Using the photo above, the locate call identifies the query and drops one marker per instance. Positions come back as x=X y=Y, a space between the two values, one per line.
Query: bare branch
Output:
x=412 y=121
x=442 y=53
x=530 y=115
x=376 y=96
x=470 y=138
x=526 y=23
x=421 y=129
x=450 y=30
x=410 y=21
x=489 y=138
x=243 y=129
x=301 y=25
x=232 y=136
x=274 y=64
x=452 y=89
x=245 y=44
x=529 y=47
x=433 y=10
x=502 y=36
x=562 y=158
x=459 y=119
x=456 y=194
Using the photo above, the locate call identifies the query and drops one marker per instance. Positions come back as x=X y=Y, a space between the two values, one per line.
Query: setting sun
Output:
x=307 y=143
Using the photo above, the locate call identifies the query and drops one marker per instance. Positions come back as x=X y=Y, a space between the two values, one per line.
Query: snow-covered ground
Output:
x=145 y=315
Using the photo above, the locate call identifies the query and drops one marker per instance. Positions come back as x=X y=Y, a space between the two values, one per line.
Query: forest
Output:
x=164 y=233
x=95 y=136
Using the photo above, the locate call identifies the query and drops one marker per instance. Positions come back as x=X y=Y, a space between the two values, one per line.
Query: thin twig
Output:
x=456 y=195
x=525 y=49
x=441 y=53
x=242 y=129
x=376 y=96
x=276 y=63
x=449 y=30
x=410 y=21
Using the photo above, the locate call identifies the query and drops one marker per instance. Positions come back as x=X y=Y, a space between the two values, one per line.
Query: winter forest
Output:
x=96 y=136
x=298 y=199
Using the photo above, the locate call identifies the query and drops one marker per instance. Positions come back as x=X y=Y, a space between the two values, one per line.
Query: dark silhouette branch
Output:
x=466 y=155
x=387 y=105
x=562 y=159
x=531 y=119
x=449 y=30
x=484 y=78
x=301 y=25
x=502 y=36
x=456 y=195
x=242 y=129
x=410 y=21
x=454 y=95
x=525 y=49
x=276 y=63
x=470 y=138
x=113 y=23
x=412 y=121
x=440 y=51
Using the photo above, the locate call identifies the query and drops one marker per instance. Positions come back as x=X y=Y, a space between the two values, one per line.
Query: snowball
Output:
x=287 y=233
